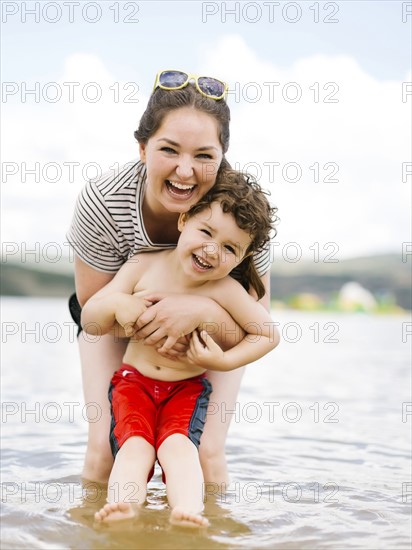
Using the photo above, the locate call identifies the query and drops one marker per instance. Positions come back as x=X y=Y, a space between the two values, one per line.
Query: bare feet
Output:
x=116 y=512
x=186 y=519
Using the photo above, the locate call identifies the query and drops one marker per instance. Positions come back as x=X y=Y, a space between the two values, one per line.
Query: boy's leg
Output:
x=99 y=360
x=127 y=488
x=179 y=459
x=222 y=405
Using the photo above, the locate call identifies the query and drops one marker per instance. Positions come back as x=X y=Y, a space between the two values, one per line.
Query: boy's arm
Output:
x=100 y=314
x=114 y=302
x=260 y=338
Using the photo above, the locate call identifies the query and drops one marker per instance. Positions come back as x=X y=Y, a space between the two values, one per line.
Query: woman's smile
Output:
x=180 y=190
x=182 y=159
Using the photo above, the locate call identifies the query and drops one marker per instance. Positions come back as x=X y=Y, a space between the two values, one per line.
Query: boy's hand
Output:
x=128 y=310
x=204 y=352
x=178 y=350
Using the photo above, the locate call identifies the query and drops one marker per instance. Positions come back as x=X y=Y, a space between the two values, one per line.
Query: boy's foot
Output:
x=186 y=519
x=116 y=512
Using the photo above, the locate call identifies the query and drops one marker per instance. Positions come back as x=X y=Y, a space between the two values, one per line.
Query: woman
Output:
x=183 y=136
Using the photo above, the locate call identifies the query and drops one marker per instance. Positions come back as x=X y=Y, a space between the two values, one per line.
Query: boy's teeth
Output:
x=181 y=186
x=201 y=262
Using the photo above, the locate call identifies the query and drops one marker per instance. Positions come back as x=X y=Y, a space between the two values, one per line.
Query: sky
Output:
x=320 y=96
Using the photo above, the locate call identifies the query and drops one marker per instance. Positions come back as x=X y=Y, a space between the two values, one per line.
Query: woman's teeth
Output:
x=181 y=185
x=179 y=188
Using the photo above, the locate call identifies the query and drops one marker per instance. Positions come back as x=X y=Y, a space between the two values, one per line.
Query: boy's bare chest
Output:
x=154 y=280
x=158 y=277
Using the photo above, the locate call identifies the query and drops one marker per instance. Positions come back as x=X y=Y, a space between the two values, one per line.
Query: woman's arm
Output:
x=88 y=280
x=115 y=303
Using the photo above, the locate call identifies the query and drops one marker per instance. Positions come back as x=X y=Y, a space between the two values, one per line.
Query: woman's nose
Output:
x=184 y=169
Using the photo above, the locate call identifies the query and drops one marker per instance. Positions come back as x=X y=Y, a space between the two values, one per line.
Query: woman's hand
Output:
x=169 y=319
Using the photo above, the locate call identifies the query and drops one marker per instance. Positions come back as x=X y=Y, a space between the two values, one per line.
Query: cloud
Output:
x=345 y=121
x=54 y=146
x=345 y=125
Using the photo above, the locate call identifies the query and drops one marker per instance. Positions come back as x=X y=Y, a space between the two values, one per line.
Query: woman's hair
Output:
x=162 y=102
x=240 y=195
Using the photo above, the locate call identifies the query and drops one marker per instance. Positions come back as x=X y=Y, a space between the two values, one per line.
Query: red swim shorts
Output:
x=156 y=409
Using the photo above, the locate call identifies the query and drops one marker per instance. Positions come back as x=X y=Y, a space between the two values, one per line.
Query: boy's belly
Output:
x=149 y=363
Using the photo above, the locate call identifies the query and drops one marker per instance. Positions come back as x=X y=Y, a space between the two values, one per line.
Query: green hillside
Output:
x=20 y=280
x=386 y=276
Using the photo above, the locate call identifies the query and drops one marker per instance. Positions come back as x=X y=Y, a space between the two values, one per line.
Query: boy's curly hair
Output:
x=241 y=195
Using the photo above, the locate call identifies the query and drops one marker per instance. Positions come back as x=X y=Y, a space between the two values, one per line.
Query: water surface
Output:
x=319 y=448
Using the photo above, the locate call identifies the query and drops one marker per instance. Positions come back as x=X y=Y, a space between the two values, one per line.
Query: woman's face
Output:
x=182 y=159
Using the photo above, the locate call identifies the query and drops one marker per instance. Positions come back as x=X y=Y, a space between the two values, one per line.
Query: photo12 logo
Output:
x=69 y=92
x=270 y=12
x=69 y=12
x=289 y=92
x=290 y=491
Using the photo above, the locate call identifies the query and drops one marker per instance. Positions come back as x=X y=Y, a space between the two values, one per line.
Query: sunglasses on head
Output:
x=206 y=85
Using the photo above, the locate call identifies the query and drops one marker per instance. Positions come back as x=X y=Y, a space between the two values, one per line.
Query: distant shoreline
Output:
x=303 y=285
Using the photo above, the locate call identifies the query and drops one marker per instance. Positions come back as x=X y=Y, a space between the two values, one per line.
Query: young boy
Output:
x=159 y=403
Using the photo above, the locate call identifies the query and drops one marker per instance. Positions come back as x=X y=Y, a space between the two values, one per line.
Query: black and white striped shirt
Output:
x=107 y=226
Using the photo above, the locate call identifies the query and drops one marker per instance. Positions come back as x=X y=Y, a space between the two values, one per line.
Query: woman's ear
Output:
x=181 y=221
x=142 y=152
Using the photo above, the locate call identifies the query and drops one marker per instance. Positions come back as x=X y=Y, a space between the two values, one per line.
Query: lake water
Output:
x=319 y=448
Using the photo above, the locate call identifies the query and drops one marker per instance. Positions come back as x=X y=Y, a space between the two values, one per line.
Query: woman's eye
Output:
x=207 y=232
x=205 y=156
x=230 y=248
x=168 y=150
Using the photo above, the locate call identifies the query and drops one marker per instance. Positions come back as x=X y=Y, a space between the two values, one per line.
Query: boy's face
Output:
x=211 y=244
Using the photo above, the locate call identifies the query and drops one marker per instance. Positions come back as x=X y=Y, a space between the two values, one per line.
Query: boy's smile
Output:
x=200 y=264
x=211 y=243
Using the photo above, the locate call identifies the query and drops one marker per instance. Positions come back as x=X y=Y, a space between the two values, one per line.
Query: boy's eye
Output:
x=206 y=231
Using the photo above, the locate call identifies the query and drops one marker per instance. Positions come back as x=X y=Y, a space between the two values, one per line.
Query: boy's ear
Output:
x=142 y=152
x=181 y=221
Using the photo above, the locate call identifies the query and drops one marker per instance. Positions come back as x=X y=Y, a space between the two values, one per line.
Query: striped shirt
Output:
x=107 y=226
